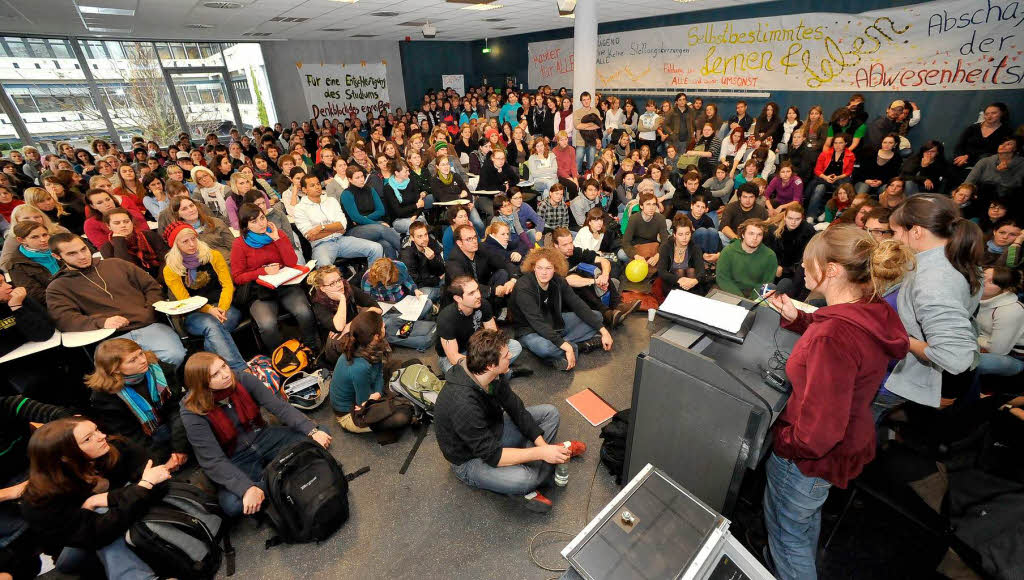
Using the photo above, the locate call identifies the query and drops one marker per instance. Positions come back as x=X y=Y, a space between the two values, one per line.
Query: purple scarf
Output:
x=191 y=263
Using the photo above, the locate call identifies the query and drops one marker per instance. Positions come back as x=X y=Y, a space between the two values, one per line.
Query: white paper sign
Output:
x=335 y=91
x=457 y=82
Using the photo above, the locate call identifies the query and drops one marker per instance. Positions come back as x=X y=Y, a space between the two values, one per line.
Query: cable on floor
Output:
x=586 y=518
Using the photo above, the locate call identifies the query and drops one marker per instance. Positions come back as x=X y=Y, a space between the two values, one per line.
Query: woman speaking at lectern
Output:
x=826 y=434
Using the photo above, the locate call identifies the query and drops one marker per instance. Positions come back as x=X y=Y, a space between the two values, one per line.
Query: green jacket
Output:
x=739 y=272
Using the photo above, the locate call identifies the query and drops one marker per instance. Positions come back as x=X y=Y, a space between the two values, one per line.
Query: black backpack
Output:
x=180 y=535
x=307 y=494
x=613 y=450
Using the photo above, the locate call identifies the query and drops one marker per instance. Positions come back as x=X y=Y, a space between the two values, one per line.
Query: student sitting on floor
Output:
x=467 y=313
x=231 y=440
x=90 y=295
x=84 y=492
x=492 y=440
x=359 y=375
x=590 y=278
x=136 y=397
x=388 y=281
x=746 y=263
x=422 y=256
x=551 y=320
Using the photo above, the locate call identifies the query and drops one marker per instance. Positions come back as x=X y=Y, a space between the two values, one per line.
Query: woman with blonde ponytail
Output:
x=826 y=435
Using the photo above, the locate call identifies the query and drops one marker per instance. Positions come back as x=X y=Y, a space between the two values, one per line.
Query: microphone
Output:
x=785 y=286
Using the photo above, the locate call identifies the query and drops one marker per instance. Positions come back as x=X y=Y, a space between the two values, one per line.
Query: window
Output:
x=25 y=104
x=178 y=50
x=17 y=47
x=60 y=48
x=95 y=49
x=38 y=48
x=192 y=50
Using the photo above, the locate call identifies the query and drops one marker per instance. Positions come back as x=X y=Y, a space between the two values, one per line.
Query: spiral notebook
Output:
x=591 y=406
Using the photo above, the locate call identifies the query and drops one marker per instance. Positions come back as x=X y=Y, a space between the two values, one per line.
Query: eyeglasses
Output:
x=880 y=232
x=333 y=284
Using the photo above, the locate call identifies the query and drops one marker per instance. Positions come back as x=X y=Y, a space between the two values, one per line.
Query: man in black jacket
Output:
x=589 y=276
x=487 y=269
x=492 y=440
x=424 y=259
x=551 y=320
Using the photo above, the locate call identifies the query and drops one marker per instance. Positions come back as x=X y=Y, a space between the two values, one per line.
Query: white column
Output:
x=584 y=74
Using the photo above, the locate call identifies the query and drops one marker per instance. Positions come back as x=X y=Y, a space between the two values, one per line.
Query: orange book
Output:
x=591 y=406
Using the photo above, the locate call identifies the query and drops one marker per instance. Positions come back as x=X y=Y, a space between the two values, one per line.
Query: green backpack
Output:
x=417 y=383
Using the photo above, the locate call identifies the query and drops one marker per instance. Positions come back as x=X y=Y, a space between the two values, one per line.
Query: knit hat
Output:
x=490 y=131
x=182 y=155
x=173 y=229
x=440 y=145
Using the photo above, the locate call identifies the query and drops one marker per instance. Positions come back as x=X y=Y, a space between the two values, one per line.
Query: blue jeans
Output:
x=514 y=479
x=217 y=336
x=585 y=155
x=326 y=251
x=264 y=314
x=541 y=185
x=117 y=558
x=401 y=225
x=792 y=514
x=515 y=348
x=861 y=187
x=574 y=331
x=1003 y=365
x=384 y=235
x=423 y=331
x=253 y=459
x=160 y=339
x=708 y=240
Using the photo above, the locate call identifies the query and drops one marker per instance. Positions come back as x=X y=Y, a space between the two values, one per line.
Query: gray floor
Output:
x=426 y=524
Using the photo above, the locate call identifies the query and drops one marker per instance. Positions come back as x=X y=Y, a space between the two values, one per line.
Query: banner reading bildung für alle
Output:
x=336 y=90
x=947 y=45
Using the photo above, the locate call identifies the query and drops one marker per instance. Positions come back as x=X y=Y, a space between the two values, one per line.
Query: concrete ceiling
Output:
x=308 y=19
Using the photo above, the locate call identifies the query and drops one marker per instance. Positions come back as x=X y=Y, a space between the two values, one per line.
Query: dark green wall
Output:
x=945 y=114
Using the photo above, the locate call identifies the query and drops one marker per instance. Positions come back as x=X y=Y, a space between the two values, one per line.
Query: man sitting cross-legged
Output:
x=492 y=440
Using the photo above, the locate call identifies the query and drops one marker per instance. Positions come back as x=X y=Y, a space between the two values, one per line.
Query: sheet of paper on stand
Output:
x=410 y=307
x=33 y=347
x=713 y=313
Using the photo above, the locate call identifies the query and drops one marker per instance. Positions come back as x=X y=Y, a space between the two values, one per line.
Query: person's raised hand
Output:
x=272 y=231
x=428 y=253
x=784 y=305
x=17 y=298
x=155 y=474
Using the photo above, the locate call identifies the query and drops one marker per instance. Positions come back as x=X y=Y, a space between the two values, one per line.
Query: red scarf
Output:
x=246 y=409
x=139 y=246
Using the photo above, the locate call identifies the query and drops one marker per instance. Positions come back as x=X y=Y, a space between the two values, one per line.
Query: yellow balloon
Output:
x=636 y=271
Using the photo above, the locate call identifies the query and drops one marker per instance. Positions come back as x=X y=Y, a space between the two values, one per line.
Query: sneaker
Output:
x=519 y=372
x=561 y=364
x=537 y=503
x=628 y=308
x=591 y=344
x=576 y=448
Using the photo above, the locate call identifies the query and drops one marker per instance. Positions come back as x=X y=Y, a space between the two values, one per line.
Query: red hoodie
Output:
x=836 y=368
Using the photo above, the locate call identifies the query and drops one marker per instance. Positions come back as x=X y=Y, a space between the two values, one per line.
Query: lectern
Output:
x=702 y=408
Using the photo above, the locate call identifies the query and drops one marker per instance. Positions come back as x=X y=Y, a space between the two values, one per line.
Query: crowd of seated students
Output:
x=493 y=209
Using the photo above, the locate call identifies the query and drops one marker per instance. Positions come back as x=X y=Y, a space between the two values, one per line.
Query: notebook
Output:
x=283 y=275
x=591 y=406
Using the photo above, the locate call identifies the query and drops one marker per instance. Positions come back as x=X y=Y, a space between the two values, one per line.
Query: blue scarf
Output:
x=197 y=226
x=142 y=408
x=992 y=247
x=398 y=187
x=44 y=259
x=257 y=240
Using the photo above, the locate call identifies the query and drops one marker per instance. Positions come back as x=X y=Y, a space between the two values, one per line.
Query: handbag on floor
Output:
x=180 y=535
x=307 y=494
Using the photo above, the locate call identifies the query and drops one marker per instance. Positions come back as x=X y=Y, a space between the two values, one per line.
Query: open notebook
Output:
x=285 y=274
